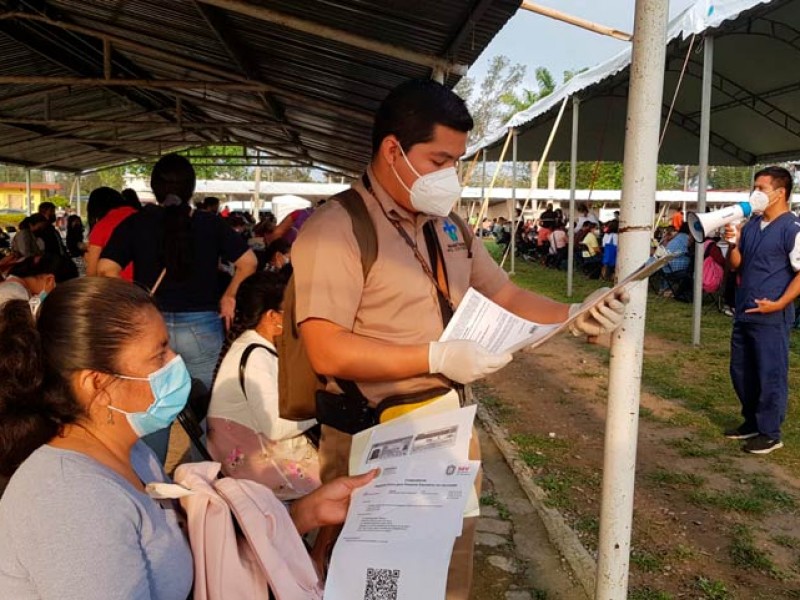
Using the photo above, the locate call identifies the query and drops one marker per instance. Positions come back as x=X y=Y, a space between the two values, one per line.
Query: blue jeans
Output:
x=198 y=338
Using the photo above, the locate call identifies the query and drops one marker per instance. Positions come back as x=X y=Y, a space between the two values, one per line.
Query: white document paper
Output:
x=499 y=331
x=400 y=529
x=480 y=320
x=442 y=436
x=412 y=570
x=417 y=500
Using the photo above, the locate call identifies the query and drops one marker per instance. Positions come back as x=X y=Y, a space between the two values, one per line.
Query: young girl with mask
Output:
x=31 y=279
x=78 y=393
x=245 y=432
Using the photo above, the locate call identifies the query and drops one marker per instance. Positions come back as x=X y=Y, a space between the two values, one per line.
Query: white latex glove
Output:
x=603 y=318
x=464 y=361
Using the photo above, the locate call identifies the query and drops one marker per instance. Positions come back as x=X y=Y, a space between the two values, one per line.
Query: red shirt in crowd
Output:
x=103 y=229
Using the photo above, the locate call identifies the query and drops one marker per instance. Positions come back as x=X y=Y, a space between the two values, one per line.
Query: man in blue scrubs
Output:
x=766 y=257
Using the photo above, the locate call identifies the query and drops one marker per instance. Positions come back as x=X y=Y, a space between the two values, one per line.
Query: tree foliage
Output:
x=482 y=99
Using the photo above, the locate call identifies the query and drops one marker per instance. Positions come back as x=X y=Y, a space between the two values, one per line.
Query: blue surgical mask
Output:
x=170 y=386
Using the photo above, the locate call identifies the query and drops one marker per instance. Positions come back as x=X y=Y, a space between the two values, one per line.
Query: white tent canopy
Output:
x=755 y=114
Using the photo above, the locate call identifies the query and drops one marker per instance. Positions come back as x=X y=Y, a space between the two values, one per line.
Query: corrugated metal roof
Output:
x=316 y=94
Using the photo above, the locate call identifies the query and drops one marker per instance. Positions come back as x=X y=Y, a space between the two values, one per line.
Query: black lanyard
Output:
x=434 y=251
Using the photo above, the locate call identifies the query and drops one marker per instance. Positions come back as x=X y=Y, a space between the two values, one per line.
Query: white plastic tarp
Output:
x=755 y=99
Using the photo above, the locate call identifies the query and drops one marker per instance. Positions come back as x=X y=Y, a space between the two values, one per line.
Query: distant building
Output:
x=12 y=194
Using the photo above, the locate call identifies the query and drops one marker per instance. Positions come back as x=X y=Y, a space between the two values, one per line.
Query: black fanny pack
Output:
x=345 y=413
x=351 y=413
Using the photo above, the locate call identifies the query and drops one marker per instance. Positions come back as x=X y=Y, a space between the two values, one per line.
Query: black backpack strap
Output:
x=245 y=357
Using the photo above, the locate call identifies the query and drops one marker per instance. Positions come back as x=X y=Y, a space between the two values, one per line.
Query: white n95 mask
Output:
x=759 y=201
x=434 y=194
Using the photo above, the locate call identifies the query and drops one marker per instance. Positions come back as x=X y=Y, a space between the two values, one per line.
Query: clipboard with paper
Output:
x=498 y=330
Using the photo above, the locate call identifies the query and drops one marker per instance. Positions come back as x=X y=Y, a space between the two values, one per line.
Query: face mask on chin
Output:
x=435 y=193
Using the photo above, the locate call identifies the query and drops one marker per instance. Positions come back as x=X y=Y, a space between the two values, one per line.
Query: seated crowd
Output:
x=95 y=376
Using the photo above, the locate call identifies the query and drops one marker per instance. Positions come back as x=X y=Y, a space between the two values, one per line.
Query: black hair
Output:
x=102 y=200
x=131 y=198
x=279 y=245
x=257 y=294
x=173 y=179
x=37 y=359
x=31 y=220
x=33 y=266
x=43 y=206
x=412 y=110
x=781 y=178
x=211 y=202
x=685 y=228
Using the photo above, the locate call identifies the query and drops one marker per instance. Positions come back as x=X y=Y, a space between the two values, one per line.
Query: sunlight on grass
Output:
x=696 y=377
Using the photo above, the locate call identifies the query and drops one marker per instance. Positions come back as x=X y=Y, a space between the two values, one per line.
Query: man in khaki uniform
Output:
x=380 y=333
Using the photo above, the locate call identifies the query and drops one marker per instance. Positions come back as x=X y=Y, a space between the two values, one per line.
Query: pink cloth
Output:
x=102 y=230
x=266 y=550
x=290 y=468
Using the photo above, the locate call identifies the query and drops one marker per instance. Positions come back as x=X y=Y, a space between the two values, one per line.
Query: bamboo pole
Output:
x=485 y=206
x=577 y=21
x=545 y=152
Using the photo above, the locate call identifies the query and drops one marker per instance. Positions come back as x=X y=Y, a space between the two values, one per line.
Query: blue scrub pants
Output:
x=198 y=338
x=760 y=374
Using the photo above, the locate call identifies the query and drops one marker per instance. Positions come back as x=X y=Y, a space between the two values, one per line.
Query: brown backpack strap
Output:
x=466 y=232
x=363 y=227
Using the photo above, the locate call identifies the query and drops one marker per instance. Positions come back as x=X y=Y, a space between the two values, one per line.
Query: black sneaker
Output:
x=761 y=444
x=742 y=432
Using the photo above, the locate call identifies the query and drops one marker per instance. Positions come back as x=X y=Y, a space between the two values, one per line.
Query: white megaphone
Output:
x=701 y=224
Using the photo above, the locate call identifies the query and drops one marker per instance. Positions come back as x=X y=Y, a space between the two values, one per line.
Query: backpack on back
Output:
x=297 y=381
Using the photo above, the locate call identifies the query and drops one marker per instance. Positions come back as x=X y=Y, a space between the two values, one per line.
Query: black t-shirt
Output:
x=53 y=244
x=138 y=239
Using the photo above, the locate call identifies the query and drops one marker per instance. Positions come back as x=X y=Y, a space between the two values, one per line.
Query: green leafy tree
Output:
x=59 y=201
x=482 y=99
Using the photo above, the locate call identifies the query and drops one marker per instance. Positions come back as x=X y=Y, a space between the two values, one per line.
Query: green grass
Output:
x=675 y=478
x=648 y=593
x=754 y=495
x=490 y=499
x=692 y=448
x=787 y=541
x=647 y=561
x=696 y=377
x=745 y=554
x=713 y=589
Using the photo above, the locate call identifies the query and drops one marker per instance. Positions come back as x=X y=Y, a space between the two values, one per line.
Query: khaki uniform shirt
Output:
x=398 y=301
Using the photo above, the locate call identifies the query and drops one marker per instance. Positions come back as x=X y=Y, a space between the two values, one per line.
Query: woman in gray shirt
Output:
x=81 y=385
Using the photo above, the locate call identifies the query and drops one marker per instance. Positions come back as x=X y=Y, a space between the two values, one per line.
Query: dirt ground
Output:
x=710 y=522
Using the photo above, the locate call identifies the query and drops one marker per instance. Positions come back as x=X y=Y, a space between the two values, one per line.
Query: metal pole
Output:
x=573 y=178
x=514 y=223
x=625 y=369
x=479 y=224
x=28 y=193
x=78 y=188
x=256 y=208
x=702 y=182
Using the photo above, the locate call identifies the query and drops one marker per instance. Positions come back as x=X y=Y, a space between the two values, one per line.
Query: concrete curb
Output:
x=561 y=535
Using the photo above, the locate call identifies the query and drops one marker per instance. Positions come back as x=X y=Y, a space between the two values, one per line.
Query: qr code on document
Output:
x=381 y=584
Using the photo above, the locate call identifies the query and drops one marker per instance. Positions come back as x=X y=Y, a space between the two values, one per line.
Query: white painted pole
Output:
x=514 y=223
x=702 y=182
x=28 y=192
x=479 y=224
x=625 y=370
x=78 y=192
x=256 y=208
x=573 y=179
